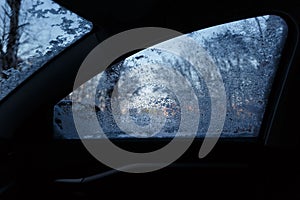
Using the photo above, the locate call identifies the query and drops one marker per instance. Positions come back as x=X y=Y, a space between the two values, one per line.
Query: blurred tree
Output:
x=10 y=35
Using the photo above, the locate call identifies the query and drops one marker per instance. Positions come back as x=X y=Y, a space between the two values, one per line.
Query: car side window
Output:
x=247 y=54
x=31 y=33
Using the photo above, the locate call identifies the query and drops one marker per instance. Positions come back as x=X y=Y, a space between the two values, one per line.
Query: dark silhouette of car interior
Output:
x=34 y=165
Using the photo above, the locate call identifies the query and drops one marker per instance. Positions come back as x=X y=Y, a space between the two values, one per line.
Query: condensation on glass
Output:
x=247 y=53
x=44 y=30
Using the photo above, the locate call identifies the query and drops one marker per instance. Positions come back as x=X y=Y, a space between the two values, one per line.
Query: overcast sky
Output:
x=41 y=29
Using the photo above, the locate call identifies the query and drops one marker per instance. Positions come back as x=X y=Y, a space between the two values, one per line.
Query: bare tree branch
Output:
x=261 y=35
x=5 y=11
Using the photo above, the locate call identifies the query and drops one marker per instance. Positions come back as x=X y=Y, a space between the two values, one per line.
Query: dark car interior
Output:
x=34 y=165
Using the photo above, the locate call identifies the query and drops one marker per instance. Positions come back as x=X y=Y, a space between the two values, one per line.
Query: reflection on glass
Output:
x=247 y=53
x=31 y=33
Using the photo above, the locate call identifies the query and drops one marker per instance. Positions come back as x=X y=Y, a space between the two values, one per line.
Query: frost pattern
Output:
x=48 y=29
x=247 y=53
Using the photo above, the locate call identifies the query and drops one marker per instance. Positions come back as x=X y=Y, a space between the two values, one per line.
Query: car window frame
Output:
x=274 y=95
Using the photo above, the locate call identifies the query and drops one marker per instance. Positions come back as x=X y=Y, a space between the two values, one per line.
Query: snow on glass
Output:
x=247 y=53
x=46 y=29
